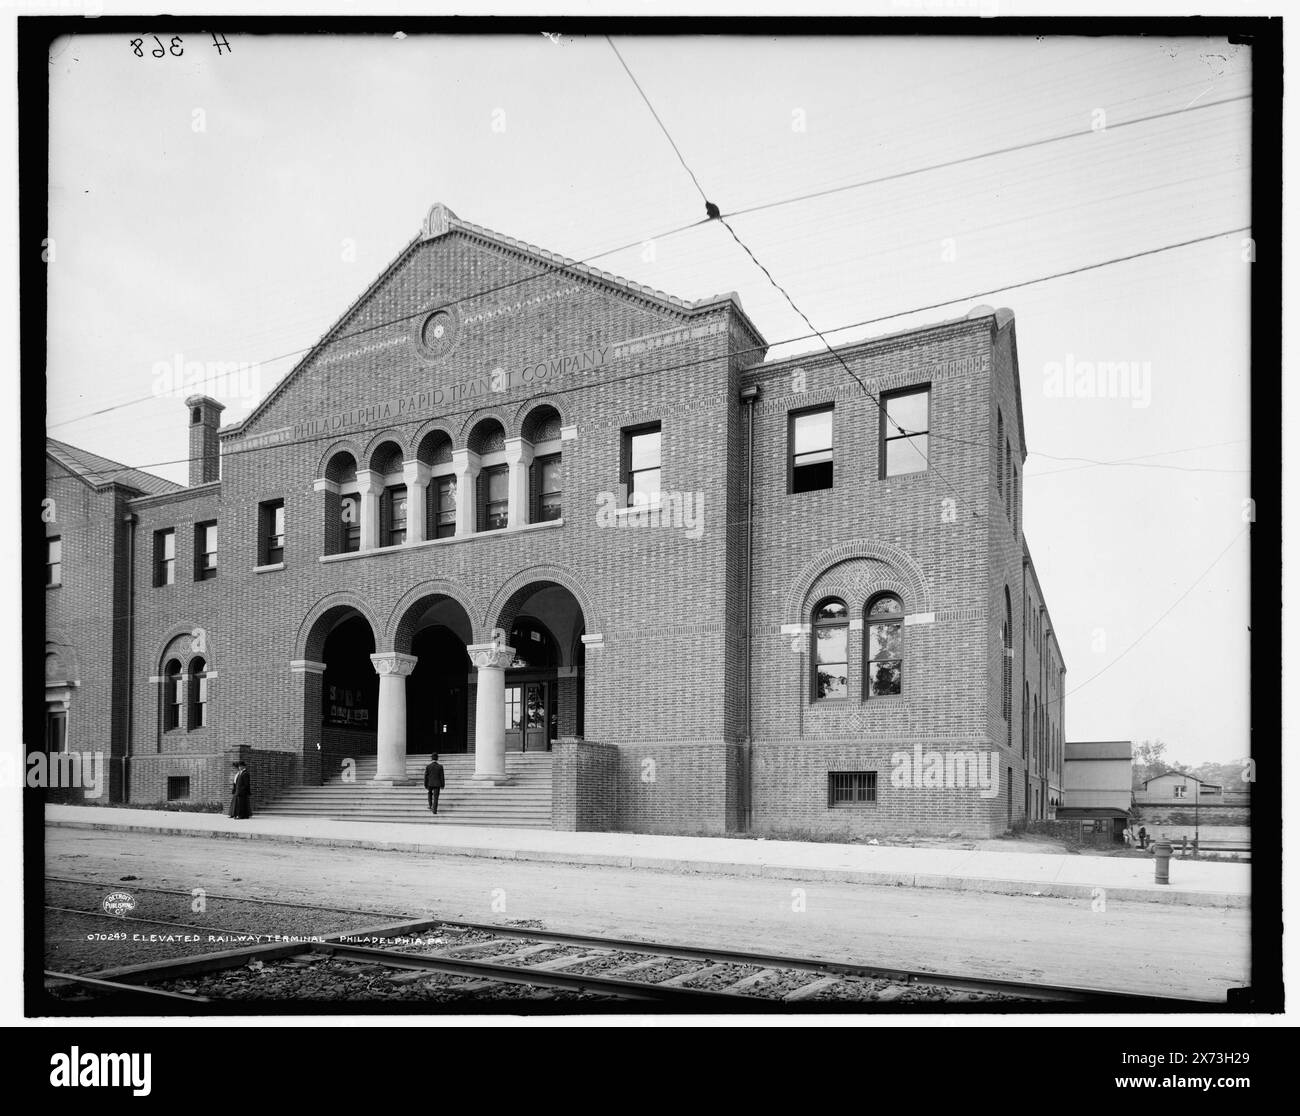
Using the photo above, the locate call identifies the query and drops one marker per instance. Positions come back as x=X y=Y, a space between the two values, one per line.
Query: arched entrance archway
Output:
x=543 y=687
x=436 y=629
x=340 y=691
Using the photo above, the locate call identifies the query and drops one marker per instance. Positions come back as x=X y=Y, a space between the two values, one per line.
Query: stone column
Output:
x=393 y=668
x=519 y=456
x=416 y=474
x=491 y=660
x=372 y=489
x=466 y=465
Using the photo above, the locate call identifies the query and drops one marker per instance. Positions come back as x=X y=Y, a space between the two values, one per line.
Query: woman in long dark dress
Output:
x=241 y=793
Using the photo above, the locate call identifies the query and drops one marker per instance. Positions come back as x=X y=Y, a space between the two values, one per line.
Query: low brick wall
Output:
x=209 y=773
x=1188 y=815
x=583 y=785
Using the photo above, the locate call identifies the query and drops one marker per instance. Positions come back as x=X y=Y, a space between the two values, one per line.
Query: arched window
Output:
x=350 y=518
x=884 y=646
x=342 y=505
x=171 y=696
x=831 y=650
x=1024 y=725
x=198 y=693
x=1006 y=663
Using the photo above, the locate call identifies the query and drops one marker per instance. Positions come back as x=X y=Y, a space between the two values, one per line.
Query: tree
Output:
x=1148 y=761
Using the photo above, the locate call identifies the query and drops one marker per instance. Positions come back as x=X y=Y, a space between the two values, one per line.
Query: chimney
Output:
x=205 y=450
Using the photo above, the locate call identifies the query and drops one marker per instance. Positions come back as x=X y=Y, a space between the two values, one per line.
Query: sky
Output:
x=228 y=205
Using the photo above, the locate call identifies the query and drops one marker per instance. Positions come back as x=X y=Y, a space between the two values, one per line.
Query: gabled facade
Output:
x=511 y=503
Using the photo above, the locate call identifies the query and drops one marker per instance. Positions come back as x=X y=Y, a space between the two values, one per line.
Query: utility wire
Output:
x=1156 y=623
x=741 y=352
x=978 y=157
x=714 y=213
x=327 y=339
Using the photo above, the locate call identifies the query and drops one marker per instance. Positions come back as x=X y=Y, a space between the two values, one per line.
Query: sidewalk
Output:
x=1195 y=883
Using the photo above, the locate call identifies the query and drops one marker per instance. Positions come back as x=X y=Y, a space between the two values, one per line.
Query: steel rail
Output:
x=125 y=989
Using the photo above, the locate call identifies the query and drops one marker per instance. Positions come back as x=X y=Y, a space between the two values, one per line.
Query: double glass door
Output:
x=528 y=716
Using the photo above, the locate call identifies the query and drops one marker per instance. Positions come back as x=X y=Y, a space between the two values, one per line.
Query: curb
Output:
x=703 y=867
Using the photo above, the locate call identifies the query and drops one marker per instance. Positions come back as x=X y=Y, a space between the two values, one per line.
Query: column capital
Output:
x=393 y=662
x=416 y=472
x=325 y=485
x=485 y=656
x=370 y=482
x=465 y=460
x=519 y=451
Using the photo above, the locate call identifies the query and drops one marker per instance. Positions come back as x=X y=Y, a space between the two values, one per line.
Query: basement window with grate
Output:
x=850 y=788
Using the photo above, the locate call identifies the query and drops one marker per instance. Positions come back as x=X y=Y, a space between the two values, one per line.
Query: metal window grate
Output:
x=849 y=788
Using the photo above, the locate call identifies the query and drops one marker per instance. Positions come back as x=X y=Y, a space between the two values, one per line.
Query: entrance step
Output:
x=523 y=802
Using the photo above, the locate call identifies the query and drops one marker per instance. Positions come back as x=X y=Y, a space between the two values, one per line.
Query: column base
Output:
x=493 y=780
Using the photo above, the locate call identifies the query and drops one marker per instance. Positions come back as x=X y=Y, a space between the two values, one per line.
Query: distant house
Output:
x=1178 y=788
x=1097 y=784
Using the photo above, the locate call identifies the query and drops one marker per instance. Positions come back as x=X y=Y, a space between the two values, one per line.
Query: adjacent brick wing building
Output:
x=513 y=504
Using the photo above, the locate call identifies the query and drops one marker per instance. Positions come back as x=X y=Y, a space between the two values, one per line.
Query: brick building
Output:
x=511 y=504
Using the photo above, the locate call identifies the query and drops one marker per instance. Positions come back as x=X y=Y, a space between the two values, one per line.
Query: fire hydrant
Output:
x=1162 y=850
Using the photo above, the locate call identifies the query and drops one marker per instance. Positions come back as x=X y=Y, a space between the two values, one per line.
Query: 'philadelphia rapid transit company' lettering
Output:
x=479 y=387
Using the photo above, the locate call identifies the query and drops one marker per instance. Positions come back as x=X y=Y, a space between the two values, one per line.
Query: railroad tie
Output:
x=748 y=982
x=677 y=981
x=558 y=963
x=810 y=990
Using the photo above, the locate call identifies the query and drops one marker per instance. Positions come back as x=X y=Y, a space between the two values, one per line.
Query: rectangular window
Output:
x=851 y=788
x=199 y=700
x=641 y=465
x=54 y=561
x=1180 y=791
x=514 y=708
x=811 y=442
x=445 y=516
x=205 y=551
x=396 y=497
x=905 y=432
x=350 y=517
x=549 y=487
x=497 y=481
x=272 y=533
x=164 y=557
x=56 y=731
x=178 y=787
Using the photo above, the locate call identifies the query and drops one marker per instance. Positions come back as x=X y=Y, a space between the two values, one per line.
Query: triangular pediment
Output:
x=461 y=307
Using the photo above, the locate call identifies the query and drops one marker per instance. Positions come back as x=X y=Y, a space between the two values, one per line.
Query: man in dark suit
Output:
x=241 y=792
x=434 y=780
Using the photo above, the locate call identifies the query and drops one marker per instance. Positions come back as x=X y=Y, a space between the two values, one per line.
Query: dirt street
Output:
x=1125 y=947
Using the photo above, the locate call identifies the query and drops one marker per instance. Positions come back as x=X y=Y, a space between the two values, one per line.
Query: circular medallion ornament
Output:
x=438 y=334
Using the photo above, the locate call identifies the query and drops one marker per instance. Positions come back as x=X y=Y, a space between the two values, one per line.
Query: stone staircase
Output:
x=524 y=802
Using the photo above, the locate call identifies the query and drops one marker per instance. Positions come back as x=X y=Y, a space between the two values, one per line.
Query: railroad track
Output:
x=413 y=964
